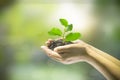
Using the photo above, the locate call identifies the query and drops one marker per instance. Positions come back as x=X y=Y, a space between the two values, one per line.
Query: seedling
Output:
x=66 y=35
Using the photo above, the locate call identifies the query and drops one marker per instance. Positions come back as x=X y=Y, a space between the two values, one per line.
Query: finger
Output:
x=78 y=41
x=48 y=42
x=44 y=48
x=50 y=53
x=62 y=49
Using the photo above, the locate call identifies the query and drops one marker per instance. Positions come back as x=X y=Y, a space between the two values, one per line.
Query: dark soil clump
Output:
x=56 y=43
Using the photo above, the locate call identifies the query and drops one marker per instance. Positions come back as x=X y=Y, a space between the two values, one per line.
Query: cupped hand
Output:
x=67 y=54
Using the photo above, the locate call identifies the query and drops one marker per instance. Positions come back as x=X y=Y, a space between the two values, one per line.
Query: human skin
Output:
x=80 y=51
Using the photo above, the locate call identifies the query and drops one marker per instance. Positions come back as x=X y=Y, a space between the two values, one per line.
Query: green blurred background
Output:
x=23 y=29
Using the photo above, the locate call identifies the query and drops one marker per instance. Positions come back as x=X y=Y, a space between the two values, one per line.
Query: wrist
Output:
x=89 y=54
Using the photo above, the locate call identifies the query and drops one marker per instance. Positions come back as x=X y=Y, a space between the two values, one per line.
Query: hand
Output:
x=69 y=53
x=80 y=51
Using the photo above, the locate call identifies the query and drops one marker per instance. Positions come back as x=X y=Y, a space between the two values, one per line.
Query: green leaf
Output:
x=73 y=36
x=69 y=27
x=55 y=32
x=64 y=22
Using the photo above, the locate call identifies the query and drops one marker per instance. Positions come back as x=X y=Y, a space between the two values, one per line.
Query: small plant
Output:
x=66 y=35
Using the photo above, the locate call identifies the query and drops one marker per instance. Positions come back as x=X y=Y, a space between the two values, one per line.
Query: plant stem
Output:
x=63 y=36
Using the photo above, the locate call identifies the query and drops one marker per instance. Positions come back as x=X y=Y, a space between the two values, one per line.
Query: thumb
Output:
x=50 y=53
x=62 y=48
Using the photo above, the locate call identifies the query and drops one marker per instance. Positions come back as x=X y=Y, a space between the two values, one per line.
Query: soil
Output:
x=56 y=43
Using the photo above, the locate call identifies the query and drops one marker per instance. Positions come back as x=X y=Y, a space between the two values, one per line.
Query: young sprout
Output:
x=66 y=35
